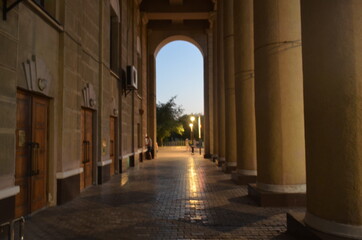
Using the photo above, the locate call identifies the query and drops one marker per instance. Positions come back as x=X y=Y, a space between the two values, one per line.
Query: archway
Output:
x=180 y=72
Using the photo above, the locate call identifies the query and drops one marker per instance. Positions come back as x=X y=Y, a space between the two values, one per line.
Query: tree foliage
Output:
x=168 y=115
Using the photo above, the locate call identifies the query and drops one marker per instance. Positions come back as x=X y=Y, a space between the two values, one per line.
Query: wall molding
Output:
x=9 y=192
x=69 y=173
x=140 y=150
x=104 y=163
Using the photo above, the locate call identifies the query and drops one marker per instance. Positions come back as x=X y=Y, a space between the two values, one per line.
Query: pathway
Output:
x=177 y=196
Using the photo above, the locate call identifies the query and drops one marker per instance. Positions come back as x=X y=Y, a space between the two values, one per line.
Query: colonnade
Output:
x=288 y=114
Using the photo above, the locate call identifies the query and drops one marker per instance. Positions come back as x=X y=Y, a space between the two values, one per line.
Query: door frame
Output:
x=116 y=162
x=94 y=143
x=50 y=161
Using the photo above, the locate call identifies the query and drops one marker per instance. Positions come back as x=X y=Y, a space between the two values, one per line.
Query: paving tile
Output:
x=177 y=196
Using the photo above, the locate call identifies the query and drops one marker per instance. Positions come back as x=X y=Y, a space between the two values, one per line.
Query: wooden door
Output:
x=87 y=148
x=39 y=153
x=31 y=153
x=112 y=143
x=23 y=150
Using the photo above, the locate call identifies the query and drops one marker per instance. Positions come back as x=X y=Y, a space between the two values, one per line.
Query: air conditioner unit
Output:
x=132 y=80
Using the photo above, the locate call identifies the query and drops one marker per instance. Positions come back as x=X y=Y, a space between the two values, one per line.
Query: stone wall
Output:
x=74 y=44
x=9 y=41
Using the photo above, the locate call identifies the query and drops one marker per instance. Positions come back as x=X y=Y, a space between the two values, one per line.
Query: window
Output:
x=114 y=42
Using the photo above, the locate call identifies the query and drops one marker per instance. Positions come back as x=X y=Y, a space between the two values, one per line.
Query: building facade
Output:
x=281 y=94
x=69 y=118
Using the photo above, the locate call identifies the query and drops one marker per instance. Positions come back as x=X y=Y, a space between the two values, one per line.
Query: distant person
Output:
x=148 y=142
x=193 y=146
x=187 y=144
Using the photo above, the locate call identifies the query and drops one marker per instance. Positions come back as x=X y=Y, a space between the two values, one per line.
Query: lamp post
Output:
x=199 y=121
x=192 y=119
x=192 y=136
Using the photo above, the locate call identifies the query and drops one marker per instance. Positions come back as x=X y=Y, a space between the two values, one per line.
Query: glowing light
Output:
x=124 y=179
x=193 y=178
x=199 y=127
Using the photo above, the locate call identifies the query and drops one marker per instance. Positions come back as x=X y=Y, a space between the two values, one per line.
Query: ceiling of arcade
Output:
x=178 y=14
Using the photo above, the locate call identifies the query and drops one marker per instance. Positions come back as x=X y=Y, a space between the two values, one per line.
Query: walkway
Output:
x=177 y=196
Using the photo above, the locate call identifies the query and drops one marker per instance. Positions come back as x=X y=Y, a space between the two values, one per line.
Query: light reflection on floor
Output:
x=124 y=179
x=177 y=196
x=193 y=178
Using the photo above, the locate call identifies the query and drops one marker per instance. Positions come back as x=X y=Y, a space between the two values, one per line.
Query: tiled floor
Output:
x=177 y=196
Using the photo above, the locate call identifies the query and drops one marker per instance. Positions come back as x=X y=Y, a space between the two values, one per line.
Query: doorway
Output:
x=86 y=161
x=112 y=144
x=31 y=152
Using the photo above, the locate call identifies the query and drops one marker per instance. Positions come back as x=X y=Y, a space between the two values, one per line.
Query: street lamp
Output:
x=192 y=136
x=199 y=120
x=191 y=126
x=192 y=131
x=192 y=118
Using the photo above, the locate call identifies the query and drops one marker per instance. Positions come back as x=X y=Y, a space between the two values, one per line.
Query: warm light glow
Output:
x=124 y=179
x=192 y=118
x=191 y=126
x=193 y=178
x=199 y=127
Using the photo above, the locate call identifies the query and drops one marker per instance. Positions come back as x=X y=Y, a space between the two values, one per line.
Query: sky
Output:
x=180 y=71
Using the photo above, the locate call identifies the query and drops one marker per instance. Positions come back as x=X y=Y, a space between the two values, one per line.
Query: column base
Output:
x=68 y=189
x=104 y=174
x=241 y=179
x=275 y=199
x=220 y=161
x=7 y=209
x=299 y=230
x=227 y=168
x=208 y=155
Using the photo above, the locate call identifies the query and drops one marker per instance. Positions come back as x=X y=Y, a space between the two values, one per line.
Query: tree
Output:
x=168 y=115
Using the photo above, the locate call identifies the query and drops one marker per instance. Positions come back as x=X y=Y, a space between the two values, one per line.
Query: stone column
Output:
x=244 y=92
x=152 y=122
x=215 y=93
x=332 y=52
x=207 y=101
x=279 y=104
x=230 y=112
x=220 y=86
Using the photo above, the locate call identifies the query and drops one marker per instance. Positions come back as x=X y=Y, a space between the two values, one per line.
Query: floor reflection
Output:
x=193 y=178
x=124 y=179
